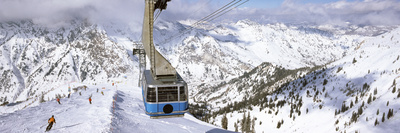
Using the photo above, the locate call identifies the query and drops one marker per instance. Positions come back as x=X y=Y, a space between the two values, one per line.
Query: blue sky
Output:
x=263 y=3
x=271 y=3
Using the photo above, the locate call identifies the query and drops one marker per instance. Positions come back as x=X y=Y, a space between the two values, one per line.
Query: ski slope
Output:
x=120 y=109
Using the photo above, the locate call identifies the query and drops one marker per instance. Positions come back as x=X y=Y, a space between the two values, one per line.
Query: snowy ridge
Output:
x=350 y=94
x=227 y=50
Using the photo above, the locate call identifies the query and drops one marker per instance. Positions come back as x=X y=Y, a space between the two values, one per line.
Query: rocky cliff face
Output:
x=34 y=58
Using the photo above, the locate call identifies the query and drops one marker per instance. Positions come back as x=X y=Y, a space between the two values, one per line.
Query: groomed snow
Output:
x=75 y=114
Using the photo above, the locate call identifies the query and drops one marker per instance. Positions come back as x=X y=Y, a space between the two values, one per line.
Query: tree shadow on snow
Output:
x=118 y=100
x=119 y=96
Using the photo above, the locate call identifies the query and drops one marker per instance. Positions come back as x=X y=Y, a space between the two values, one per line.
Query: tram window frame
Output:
x=168 y=94
x=182 y=93
x=151 y=94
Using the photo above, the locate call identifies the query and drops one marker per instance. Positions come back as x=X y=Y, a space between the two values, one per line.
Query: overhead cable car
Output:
x=165 y=93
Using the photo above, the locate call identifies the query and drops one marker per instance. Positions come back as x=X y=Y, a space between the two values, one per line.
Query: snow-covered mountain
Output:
x=223 y=51
x=356 y=93
x=34 y=56
x=35 y=59
x=229 y=64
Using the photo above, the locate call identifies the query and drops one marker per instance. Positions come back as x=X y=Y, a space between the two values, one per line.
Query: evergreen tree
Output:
x=351 y=104
x=236 y=127
x=360 y=111
x=291 y=113
x=390 y=113
x=339 y=69
x=41 y=100
x=376 y=121
x=377 y=112
x=365 y=86
x=224 y=122
x=398 y=95
x=353 y=117
x=344 y=107
x=394 y=89
x=253 y=124
x=354 y=60
x=383 y=117
x=248 y=122
x=356 y=101
x=243 y=123
x=305 y=83
x=369 y=99
x=325 y=82
x=279 y=125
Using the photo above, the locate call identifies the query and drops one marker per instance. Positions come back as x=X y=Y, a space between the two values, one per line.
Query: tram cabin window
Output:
x=167 y=94
x=151 y=95
x=182 y=94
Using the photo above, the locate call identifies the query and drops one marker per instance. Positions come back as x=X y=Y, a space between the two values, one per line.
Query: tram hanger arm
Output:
x=159 y=66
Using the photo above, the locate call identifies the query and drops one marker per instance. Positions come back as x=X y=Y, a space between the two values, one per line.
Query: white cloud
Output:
x=371 y=12
x=368 y=12
x=53 y=12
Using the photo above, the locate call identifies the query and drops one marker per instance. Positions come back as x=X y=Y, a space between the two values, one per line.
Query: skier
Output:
x=50 y=121
x=90 y=100
x=58 y=100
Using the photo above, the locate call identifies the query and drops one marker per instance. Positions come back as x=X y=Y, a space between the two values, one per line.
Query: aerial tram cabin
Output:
x=165 y=93
x=164 y=99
